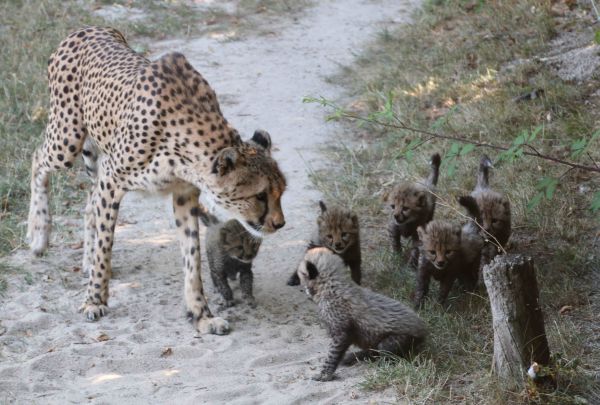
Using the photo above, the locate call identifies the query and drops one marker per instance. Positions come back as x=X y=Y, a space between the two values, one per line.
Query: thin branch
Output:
x=535 y=152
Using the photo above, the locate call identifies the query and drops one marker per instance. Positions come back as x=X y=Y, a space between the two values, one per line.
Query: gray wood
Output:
x=518 y=323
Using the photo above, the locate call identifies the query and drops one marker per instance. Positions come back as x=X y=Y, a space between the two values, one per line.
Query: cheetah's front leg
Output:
x=105 y=201
x=186 y=209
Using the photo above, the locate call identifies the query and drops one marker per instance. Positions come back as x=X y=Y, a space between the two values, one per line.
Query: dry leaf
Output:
x=166 y=352
x=77 y=245
x=75 y=269
x=103 y=337
x=565 y=309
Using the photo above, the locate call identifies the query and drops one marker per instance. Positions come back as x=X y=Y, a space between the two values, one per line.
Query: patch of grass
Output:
x=30 y=32
x=457 y=70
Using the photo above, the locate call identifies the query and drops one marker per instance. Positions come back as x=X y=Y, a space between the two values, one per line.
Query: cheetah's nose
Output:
x=278 y=225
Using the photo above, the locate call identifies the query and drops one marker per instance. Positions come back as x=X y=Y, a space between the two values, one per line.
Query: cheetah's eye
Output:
x=495 y=221
x=344 y=235
x=450 y=253
x=393 y=206
x=431 y=252
x=329 y=237
x=261 y=196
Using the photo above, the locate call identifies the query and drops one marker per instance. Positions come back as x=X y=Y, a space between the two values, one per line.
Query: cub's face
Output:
x=247 y=185
x=238 y=243
x=407 y=203
x=495 y=215
x=338 y=228
x=440 y=242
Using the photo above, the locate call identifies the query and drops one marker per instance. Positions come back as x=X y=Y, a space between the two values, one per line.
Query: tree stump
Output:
x=518 y=323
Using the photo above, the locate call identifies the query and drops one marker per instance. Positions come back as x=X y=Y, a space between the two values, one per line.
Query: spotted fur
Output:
x=449 y=253
x=153 y=126
x=495 y=212
x=355 y=315
x=339 y=230
x=230 y=250
x=413 y=205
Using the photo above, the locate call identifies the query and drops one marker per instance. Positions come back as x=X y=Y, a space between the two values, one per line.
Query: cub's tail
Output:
x=436 y=160
x=483 y=175
x=471 y=206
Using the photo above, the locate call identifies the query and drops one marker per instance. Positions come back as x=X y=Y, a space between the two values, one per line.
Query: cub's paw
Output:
x=93 y=312
x=322 y=376
x=215 y=326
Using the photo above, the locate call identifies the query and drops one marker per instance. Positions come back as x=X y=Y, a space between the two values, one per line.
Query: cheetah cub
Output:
x=495 y=212
x=413 y=205
x=449 y=253
x=356 y=315
x=338 y=230
x=230 y=250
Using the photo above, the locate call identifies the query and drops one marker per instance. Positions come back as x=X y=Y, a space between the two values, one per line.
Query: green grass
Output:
x=31 y=30
x=451 y=71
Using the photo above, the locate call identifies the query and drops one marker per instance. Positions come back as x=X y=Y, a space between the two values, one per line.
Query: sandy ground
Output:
x=144 y=350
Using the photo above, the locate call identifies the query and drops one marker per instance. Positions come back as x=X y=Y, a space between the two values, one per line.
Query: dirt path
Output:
x=144 y=350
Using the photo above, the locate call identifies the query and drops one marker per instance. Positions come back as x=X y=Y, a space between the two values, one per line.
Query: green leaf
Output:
x=578 y=147
x=466 y=149
x=535 y=201
x=454 y=149
x=550 y=189
x=521 y=139
x=597 y=37
x=535 y=133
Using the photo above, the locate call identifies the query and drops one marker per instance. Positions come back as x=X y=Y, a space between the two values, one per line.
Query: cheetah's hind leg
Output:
x=39 y=222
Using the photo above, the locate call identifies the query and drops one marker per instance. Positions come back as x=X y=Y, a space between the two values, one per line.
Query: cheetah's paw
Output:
x=93 y=312
x=322 y=376
x=216 y=326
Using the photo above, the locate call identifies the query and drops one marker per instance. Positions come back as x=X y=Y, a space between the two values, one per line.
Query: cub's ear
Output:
x=312 y=270
x=323 y=207
x=421 y=232
x=354 y=219
x=225 y=161
x=262 y=138
x=421 y=200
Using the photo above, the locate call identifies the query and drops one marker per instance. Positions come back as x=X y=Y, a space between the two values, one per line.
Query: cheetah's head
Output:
x=246 y=184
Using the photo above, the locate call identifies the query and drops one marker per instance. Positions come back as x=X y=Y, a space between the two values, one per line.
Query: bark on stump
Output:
x=518 y=323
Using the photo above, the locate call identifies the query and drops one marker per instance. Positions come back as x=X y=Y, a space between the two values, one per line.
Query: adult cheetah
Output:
x=152 y=126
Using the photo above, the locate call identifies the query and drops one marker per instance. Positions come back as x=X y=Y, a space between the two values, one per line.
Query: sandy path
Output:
x=48 y=354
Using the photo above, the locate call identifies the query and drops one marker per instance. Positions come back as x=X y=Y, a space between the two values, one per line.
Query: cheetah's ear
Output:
x=225 y=161
x=312 y=270
x=262 y=138
x=323 y=206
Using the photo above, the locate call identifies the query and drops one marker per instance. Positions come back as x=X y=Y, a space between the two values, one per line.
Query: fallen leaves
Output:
x=166 y=352
x=103 y=337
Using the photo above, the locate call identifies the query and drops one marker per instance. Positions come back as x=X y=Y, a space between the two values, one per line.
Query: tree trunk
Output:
x=518 y=323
